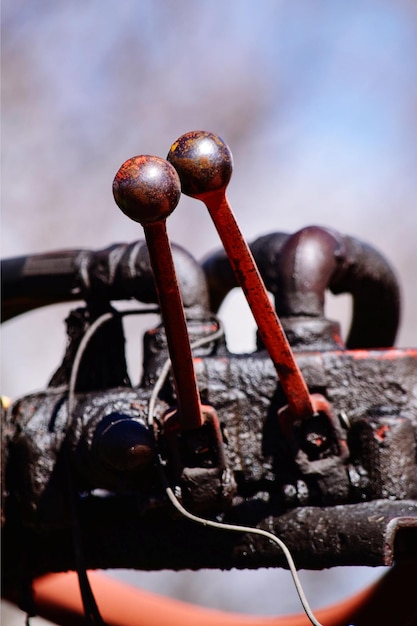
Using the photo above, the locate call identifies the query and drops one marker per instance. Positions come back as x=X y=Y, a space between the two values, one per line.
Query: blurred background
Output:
x=317 y=100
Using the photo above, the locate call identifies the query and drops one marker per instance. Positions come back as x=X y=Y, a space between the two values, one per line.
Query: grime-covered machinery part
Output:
x=297 y=269
x=342 y=516
x=120 y=272
x=340 y=488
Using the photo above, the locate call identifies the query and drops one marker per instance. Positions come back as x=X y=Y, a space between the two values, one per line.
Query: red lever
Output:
x=147 y=189
x=204 y=164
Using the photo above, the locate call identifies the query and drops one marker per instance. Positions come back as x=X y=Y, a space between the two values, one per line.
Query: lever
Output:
x=204 y=164
x=147 y=189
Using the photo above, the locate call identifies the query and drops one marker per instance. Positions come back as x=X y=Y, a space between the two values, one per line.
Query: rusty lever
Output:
x=147 y=189
x=204 y=164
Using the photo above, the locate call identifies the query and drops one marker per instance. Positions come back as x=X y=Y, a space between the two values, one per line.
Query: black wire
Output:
x=91 y=610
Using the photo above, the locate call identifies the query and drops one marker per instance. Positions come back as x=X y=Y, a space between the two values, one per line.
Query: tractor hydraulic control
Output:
x=310 y=437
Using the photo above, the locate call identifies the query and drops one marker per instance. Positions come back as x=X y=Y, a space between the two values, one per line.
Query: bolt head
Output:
x=203 y=161
x=147 y=189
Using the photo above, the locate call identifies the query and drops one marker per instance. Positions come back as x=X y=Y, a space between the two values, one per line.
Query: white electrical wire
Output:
x=212 y=523
x=86 y=338
x=151 y=421
x=253 y=531
x=167 y=366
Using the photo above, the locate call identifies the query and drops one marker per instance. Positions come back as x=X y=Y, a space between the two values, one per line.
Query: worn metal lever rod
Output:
x=147 y=189
x=204 y=164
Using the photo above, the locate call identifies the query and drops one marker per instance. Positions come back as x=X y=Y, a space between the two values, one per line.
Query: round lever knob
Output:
x=147 y=189
x=203 y=161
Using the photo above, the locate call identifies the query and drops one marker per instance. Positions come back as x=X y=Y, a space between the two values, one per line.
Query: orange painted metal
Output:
x=172 y=310
x=320 y=406
x=204 y=164
x=57 y=598
x=147 y=189
x=270 y=328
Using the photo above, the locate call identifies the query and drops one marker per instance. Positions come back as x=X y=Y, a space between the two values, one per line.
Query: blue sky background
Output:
x=317 y=100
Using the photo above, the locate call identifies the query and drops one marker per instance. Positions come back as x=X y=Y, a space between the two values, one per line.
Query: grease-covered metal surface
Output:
x=339 y=487
x=128 y=523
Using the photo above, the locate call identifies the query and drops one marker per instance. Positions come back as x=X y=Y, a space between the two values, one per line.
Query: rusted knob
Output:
x=203 y=161
x=146 y=189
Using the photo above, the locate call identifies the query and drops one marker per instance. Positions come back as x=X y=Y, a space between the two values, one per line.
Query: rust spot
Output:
x=381 y=432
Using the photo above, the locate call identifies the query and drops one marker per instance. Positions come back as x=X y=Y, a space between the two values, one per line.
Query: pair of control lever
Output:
x=147 y=189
